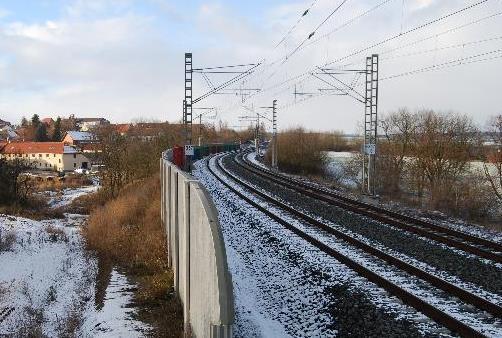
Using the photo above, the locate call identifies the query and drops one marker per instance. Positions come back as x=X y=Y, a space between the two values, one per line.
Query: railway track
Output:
x=407 y=297
x=468 y=243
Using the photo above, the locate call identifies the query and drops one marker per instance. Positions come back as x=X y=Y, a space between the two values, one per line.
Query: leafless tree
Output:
x=442 y=150
x=399 y=130
x=492 y=166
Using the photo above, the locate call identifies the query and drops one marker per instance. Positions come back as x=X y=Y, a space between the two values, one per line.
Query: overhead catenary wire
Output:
x=427 y=38
x=304 y=14
x=386 y=40
x=315 y=30
x=447 y=64
x=345 y=24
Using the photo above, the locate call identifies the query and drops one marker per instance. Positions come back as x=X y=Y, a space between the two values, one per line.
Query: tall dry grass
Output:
x=299 y=152
x=127 y=231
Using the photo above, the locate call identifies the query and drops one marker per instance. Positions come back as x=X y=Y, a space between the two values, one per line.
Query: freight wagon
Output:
x=202 y=151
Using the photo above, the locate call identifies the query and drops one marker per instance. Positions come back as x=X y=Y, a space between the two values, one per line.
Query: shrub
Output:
x=299 y=152
x=7 y=240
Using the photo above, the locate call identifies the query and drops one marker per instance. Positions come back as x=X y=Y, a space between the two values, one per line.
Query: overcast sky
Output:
x=123 y=59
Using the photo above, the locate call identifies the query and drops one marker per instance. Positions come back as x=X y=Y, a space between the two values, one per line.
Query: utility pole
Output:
x=274 y=137
x=370 y=125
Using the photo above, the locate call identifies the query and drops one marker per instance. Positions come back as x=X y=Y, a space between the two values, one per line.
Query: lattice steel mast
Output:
x=370 y=125
x=187 y=103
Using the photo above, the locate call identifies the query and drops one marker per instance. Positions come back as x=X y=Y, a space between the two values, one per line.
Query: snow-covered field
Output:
x=48 y=280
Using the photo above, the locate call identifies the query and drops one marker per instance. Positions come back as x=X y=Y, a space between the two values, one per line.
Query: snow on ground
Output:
x=115 y=318
x=48 y=280
x=68 y=195
x=280 y=283
x=45 y=277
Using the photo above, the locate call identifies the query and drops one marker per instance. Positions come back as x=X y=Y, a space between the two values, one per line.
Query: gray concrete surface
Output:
x=196 y=254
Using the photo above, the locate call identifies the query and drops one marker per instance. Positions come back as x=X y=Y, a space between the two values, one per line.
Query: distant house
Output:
x=122 y=128
x=4 y=123
x=78 y=138
x=8 y=133
x=89 y=123
x=54 y=156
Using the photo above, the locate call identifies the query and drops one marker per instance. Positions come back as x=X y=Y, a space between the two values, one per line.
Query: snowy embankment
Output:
x=48 y=280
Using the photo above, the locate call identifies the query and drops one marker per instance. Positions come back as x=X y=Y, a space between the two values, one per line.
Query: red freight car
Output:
x=179 y=156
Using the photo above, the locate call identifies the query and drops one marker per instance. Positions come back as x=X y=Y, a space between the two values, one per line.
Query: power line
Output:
x=226 y=84
x=307 y=11
x=348 y=22
x=458 y=45
x=222 y=67
x=448 y=64
x=416 y=28
x=315 y=30
x=409 y=31
x=435 y=35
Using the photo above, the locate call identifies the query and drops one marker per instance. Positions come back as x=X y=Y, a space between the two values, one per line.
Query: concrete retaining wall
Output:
x=196 y=254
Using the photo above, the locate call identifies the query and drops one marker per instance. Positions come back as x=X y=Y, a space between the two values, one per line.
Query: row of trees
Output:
x=38 y=131
x=127 y=159
x=432 y=157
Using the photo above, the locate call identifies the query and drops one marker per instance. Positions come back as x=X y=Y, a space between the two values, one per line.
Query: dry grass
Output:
x=35 y=208
x=85 y=204
x=127 y=231
x=60 y=183
x=299 y=152
x=7 y=240
x=56 y=234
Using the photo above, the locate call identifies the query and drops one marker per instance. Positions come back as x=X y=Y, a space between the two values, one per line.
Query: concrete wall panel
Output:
x=197 y=255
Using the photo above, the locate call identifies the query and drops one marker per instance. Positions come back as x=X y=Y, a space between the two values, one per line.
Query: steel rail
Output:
x=420 y=305
x=437 y=282
x=462 y=241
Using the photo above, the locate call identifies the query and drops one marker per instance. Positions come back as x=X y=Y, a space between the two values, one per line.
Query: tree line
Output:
x=38 y=131
x=442 y=160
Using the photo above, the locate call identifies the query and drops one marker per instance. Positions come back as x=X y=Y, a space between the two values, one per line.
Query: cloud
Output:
x=123 y=59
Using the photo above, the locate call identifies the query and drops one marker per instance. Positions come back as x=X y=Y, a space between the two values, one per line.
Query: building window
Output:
x=74 y=155
x=46 y=155
x=74 y=165
x=40 y=155
x=32 y=155
x=59 y=160
x=54 y=155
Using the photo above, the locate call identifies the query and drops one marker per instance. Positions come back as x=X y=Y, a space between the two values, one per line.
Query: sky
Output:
x=124 y=59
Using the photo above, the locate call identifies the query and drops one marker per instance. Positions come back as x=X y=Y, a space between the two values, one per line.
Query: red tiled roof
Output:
x=33 y=148
x=48 y=120
x=122 y=128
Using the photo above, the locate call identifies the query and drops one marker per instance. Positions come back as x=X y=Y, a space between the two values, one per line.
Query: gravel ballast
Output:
x=467 y=268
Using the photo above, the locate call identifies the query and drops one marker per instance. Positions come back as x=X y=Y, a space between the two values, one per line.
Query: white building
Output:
x=46 y=155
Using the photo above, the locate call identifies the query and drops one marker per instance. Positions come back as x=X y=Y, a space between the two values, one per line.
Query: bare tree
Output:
x=493 y=164
x=442 y=150
x=398 y=129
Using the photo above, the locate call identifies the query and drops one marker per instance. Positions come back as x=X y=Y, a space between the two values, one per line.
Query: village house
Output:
x=78 y=138
x=55 y=156
x=8 y=133
x=4 y=123
x=89 y=123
